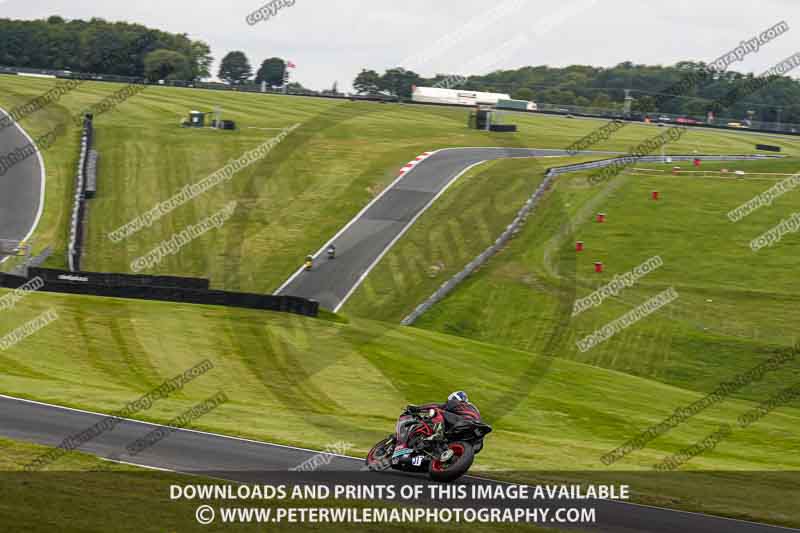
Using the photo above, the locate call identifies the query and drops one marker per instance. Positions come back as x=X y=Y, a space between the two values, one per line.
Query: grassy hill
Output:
x=506 y=335
x=291 y=202
x=733 y=303
x=324 y=381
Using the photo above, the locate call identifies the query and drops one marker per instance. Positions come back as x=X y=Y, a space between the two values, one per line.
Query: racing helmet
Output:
x=458 y=396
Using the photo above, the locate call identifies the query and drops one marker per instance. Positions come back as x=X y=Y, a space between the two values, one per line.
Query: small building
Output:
x=197 y=119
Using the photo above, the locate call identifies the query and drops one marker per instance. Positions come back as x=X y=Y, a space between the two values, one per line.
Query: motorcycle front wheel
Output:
x=380 y=456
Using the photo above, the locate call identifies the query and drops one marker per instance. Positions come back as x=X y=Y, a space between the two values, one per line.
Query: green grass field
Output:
x=458 y=227
x=341 y=156
x=347 y=380
x=734 y=303
x=505 y=335
x=134 y=500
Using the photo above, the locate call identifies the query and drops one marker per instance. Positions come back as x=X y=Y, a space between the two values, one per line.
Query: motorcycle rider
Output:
x=331 y=252
x=455 y=403
x=457 y=407
x=454 y=410
x=456 y=399
x=309 y=264
x=420 y=431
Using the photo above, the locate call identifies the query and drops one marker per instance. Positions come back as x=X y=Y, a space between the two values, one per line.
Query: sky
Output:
x=331 y=41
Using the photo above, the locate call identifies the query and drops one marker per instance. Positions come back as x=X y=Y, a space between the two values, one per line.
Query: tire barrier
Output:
x=118 y=280
x=286 y=304
x=768 y=148
x=512 y=229
x=503 y=128
x=75 y=246
x=91 y=175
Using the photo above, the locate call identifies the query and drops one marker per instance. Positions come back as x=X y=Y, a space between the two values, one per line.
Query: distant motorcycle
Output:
x=428 y=439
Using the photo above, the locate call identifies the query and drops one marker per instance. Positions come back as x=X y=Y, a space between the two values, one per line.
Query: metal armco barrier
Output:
x=557 y=171
x=448 y=286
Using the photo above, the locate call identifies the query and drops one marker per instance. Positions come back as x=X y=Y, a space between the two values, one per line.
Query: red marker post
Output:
x=598 y=267
x=655 y=195
x=601 y=217
x=579 y=246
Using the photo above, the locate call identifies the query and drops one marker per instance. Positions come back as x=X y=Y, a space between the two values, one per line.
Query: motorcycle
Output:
x=430 y=440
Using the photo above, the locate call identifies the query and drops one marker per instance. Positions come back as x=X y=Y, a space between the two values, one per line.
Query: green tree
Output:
x=644 y=104
x=294 y=86
x=96 y=45
x=524 y=94
x=601 y=100
x=696 y=108
x=201 y=59
x=398 y=81
x=167 y=65
x=272 y=71
x=235 y=68
x=367 y=82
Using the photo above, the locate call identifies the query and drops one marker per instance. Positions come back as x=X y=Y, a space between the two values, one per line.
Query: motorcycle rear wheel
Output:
x=463 y=456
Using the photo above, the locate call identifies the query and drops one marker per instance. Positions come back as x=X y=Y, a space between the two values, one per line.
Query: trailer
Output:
x=435 y=95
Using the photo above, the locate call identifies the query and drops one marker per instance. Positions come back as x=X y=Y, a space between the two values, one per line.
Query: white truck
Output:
x=436 y=95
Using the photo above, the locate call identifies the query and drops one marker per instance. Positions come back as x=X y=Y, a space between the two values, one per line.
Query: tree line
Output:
x=588 y=86
x=235 y=69
x=123 y=49
x=98 y=46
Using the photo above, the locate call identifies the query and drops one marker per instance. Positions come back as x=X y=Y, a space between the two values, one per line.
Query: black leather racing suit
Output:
x=451 y=410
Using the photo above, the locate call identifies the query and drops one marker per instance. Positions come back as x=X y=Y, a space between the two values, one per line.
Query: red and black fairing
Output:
x=464 y=423
x=440 y=439
x=423 y=432
x=465 y=410
x=413 y=429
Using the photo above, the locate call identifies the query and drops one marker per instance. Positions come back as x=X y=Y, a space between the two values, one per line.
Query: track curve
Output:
x=363 y=241
x=22 y=186
x=248 y=461
x=361 y=245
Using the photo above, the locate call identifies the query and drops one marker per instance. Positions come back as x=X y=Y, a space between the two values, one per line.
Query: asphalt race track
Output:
x=362 y=243
x=370 y=235
x=21 y=187
x=240 y=460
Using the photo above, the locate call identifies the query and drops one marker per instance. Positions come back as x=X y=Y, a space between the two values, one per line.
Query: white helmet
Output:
x=458 y=396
